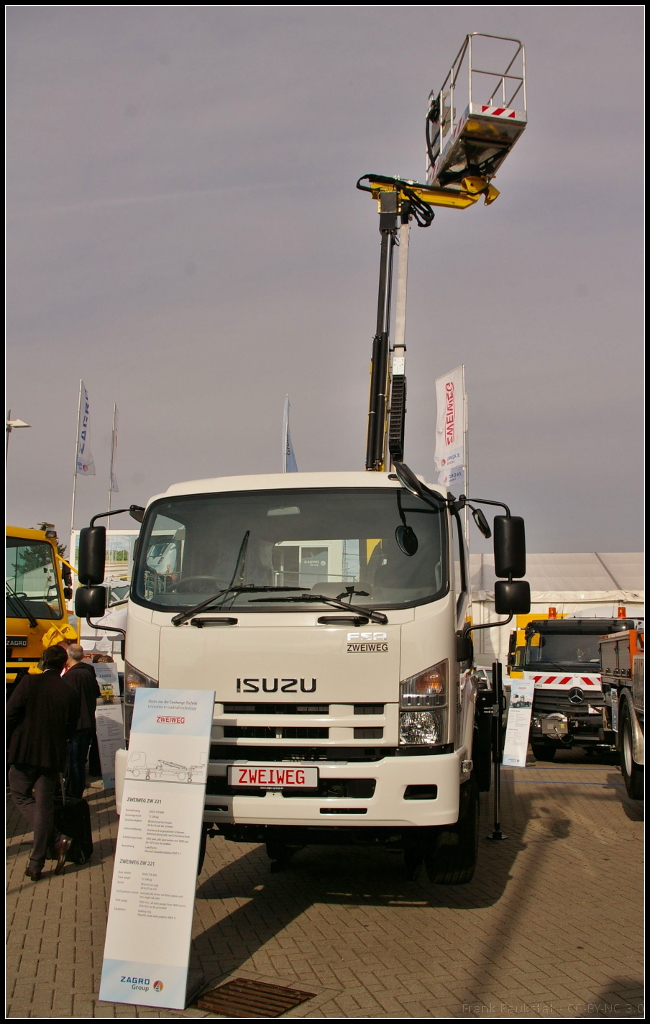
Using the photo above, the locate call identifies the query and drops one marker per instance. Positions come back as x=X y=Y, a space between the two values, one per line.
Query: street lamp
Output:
x=12 y=425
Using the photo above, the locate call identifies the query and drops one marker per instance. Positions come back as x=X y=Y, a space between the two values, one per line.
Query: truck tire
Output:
x=543 y=751
x=452 y=860
x=631 y=771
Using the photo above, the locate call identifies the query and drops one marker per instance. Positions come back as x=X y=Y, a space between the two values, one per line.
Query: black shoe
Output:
x=34 y=875
x=61 y=849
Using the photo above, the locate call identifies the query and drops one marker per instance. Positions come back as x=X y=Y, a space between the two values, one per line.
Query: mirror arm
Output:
x=115 y=512
x=483 y=501
x=468 y=628
x=111 y=629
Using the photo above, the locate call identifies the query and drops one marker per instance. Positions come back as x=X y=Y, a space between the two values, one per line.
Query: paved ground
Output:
x=550 y=926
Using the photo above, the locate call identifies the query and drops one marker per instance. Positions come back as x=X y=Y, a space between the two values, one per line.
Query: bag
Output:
x=73 y=819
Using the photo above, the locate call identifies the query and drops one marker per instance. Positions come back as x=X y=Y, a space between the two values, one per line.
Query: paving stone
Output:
x=352 y=929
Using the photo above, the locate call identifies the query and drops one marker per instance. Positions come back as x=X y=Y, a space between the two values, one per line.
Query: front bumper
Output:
x=387 y=807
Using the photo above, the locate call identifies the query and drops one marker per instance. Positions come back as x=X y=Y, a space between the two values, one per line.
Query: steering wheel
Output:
x=182 y=586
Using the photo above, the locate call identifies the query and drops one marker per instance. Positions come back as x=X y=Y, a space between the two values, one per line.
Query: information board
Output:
x=515 y=747
x=147 y=949
x=108 y=678
x=110 y=737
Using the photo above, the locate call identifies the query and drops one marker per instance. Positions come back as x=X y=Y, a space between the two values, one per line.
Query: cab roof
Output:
x=287 y=481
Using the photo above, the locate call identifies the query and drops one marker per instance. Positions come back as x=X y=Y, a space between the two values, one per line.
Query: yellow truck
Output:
x=38 y=585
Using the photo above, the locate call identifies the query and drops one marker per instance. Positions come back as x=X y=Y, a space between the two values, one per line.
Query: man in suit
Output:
x=81 y=675
x=42 y=714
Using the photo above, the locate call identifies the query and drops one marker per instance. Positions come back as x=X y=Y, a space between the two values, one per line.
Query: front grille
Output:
x=368 y=709
x=266 y=732
x=547 y=701
x=343 y=810
x=349 y=789
x=276 y=709
x=368 y=734
x=271 y=754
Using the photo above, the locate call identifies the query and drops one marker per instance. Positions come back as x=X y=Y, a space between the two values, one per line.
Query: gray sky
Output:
x=185 y=234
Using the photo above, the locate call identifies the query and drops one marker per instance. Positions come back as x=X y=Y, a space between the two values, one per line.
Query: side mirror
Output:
x=406 y=539
x=408 y=479
x=464 y=647
x=136 y=512
x=92 y=555
x=479 y=518
x=511 y=597
x=509 y=546
x=90 y=602
x=67 y=593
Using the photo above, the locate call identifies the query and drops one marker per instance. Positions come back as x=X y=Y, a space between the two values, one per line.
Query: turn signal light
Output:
x=426 y=689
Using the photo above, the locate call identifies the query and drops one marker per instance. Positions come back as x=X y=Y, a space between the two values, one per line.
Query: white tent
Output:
x=585 y=583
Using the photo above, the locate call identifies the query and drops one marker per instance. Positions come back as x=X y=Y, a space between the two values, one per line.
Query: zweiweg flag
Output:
x=450 y=422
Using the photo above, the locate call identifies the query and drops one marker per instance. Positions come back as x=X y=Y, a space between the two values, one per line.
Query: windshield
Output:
x=563 y=651
x=31 y=580
x=327 y=542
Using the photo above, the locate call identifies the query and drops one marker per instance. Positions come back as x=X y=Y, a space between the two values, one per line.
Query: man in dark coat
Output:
x=42 y=714
x=82 y=676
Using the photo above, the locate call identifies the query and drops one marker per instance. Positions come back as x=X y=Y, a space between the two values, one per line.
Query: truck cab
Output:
x=37 y=590
x=562 y=657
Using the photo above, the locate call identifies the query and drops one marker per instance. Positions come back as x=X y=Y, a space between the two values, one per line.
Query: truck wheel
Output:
x=632 y=772
x=543 y=751
x=452 y=860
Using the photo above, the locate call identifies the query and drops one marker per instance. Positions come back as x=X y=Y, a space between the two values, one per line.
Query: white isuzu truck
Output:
x=328 y=611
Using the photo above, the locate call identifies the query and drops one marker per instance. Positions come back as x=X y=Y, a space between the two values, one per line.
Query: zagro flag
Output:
x=451 y=477
x=85 y=461
x=450 y=422
x=288 y=456
x=113 y=483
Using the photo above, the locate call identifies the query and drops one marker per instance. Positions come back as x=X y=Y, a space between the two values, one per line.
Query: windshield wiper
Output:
x=247 y=588
x=334 y=602
x=27 y=614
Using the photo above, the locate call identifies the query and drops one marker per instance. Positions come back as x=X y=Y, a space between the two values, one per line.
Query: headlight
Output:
x=419 y=728
x=427 y=689
x=133 y=680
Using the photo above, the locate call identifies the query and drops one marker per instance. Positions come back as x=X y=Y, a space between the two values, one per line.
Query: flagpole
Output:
x=74 y=479
x=110 y=476
x=285 y=426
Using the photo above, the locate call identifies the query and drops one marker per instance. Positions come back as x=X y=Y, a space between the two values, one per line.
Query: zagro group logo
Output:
x=158 y=986
x=140 y=984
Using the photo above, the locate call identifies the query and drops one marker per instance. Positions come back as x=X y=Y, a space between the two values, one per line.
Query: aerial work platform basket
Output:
x=492 y=103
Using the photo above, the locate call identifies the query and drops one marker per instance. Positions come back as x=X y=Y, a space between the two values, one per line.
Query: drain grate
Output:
x=243 y=998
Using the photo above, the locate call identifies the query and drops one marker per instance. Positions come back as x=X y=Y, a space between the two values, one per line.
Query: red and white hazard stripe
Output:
x=498 y=111
x=565 y=680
